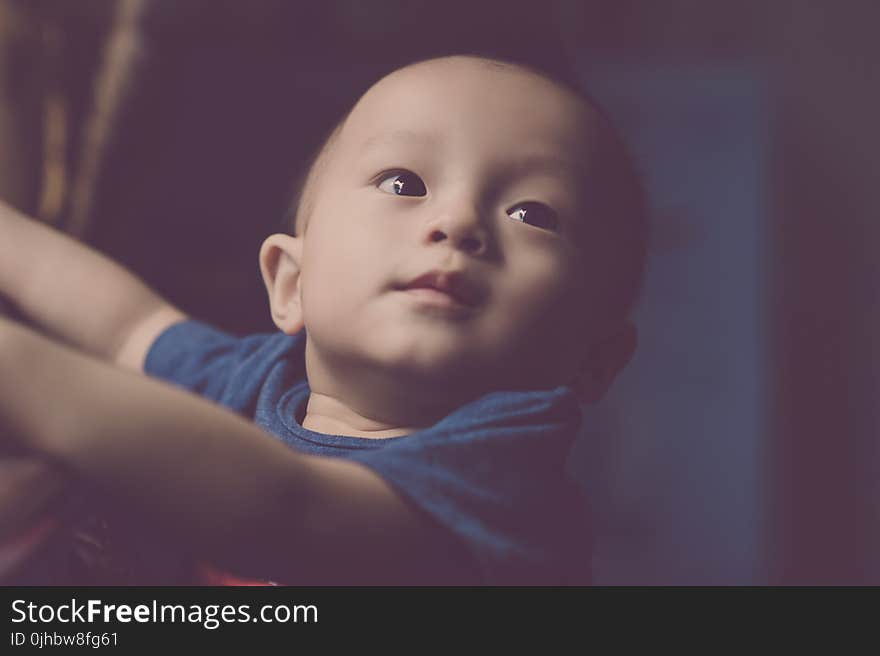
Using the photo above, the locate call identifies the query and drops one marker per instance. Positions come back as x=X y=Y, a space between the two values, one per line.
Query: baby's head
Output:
x=470 y=226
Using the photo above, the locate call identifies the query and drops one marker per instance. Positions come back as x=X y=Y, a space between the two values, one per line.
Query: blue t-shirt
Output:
x=491 y=472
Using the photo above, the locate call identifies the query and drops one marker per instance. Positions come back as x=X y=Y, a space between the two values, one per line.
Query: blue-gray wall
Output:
x=675 y=458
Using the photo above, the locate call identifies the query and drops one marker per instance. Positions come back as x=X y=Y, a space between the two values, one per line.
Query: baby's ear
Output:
x=605 y=360
x=280 y=258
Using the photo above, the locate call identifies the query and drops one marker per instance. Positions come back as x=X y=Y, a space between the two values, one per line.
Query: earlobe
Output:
x=605 y=361
x=280 y=266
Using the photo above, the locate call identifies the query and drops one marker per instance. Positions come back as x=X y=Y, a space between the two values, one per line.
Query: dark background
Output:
x=169 y=134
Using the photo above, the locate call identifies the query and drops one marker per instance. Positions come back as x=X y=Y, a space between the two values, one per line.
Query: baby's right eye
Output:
x=402 y=183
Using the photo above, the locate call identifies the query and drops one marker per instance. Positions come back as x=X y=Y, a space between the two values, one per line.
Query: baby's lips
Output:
x=454 y=283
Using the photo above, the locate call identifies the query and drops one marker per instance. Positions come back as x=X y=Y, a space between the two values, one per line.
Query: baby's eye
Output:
x=535 y=214
x=402 y=183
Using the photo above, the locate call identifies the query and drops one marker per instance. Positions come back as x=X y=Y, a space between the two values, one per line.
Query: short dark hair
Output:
x=301 y=201
x=614 y=188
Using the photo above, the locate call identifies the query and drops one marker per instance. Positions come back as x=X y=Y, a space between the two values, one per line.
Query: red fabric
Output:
x=15 y=550
x=207 y=575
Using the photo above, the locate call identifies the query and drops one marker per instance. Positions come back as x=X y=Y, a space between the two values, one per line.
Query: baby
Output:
x=467 y=247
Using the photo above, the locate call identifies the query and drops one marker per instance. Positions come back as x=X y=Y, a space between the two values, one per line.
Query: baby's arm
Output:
x=77 y=295
x=29 y=488
x=217 y=482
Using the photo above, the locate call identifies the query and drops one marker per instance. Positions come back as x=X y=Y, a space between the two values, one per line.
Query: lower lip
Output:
x=438 y=301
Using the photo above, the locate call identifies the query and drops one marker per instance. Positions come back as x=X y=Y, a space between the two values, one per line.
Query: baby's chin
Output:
x=432 y=366
x=460 y=375
x=440 y=366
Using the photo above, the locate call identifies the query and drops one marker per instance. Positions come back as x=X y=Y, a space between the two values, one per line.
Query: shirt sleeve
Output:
x=493 y=473
x=224 y=368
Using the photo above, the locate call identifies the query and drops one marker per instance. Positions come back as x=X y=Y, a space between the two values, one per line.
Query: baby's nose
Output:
x=472 y=244
x=463 y=229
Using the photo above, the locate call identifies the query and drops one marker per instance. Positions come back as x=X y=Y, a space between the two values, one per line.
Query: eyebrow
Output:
x=401 y=136
x=539 y=163
x=533 y=163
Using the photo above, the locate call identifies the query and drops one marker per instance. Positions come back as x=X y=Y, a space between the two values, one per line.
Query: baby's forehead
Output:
x=432 y=106
x=469 y=75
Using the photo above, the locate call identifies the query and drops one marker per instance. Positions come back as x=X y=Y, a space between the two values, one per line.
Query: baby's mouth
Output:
x=445 y=287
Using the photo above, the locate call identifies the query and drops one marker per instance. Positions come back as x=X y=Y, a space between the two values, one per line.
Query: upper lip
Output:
x=454 y=283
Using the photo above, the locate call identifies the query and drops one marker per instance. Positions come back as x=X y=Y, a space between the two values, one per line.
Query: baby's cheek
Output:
x=318 y=307
x=540 y=310
x=333 y=303
x=543 y=289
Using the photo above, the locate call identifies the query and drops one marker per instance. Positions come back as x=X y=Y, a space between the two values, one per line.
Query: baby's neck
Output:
x=329 y=415
x=364 y=401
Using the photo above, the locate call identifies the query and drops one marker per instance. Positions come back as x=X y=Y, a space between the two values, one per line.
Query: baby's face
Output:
x=441 y=245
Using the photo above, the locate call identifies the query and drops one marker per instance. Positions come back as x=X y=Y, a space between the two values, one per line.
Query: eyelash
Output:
x=550 y=221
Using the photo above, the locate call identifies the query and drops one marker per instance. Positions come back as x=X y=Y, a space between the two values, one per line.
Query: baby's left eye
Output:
x=535 y=214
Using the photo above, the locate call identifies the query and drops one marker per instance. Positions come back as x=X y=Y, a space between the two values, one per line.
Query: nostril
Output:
x=471 y=245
